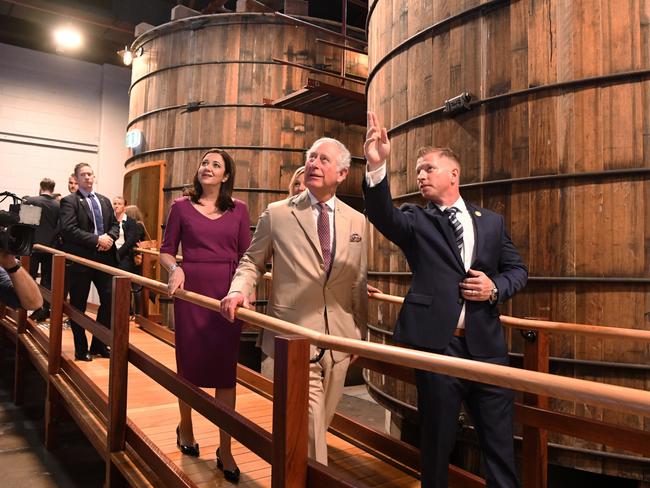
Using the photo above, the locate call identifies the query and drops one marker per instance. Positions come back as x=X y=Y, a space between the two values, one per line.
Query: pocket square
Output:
x=355 y=238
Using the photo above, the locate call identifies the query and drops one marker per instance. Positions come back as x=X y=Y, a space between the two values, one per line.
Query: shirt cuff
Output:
x=373 y=178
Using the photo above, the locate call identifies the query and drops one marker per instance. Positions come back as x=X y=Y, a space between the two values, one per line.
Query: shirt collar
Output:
x=313 y=200
x=459 y=204
x=85 y=193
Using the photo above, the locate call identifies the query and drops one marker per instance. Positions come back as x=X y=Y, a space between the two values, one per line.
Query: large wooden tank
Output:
x=223 y=67
x=556 y=139
x=208 y=81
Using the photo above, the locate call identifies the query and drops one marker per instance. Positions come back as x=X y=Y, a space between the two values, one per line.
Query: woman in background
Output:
x=297 y=182
x=214 y=231
x=130 y=235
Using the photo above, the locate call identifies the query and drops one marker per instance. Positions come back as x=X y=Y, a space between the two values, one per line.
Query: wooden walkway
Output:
x=155 y=411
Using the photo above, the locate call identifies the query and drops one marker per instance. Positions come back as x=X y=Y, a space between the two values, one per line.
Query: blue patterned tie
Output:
x=99 y=223
x=456 y=225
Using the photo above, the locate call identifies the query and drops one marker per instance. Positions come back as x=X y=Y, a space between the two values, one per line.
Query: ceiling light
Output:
x=67 y=38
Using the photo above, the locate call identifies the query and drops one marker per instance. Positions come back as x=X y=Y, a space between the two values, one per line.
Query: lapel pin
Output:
x=355 y=237
x=477 y=213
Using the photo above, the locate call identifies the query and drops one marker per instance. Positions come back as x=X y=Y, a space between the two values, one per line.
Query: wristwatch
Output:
x=494 y=296
x=173 y=267
x=15 y=268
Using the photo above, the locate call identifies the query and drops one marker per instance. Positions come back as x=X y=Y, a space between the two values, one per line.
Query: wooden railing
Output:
x=285 y=449
x=533 y=413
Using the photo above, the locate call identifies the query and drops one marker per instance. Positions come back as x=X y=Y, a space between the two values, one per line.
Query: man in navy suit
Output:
x=89 y=230
x=464 y=265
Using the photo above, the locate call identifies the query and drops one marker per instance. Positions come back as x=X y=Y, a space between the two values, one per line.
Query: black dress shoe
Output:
x=102 y=353
x=232 y=476
x=39 y=315
x=186 y=449
x=83 y=357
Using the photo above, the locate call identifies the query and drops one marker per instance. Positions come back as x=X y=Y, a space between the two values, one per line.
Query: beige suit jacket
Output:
x=301 y=292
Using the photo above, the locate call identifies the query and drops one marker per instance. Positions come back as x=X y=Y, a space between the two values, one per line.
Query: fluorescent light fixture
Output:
x=67 y=38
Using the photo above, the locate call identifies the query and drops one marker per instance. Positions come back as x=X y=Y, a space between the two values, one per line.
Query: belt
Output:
x=459 y=332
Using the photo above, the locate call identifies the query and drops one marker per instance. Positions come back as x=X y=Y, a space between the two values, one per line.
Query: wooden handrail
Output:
x=605 y=331
x=608 y=396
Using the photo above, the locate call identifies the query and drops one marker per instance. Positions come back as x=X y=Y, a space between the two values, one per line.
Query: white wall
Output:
x=55 y=112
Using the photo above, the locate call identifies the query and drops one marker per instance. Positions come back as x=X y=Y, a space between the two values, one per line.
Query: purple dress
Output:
x=207 y=345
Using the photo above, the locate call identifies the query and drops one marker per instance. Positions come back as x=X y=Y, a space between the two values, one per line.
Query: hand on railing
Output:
x=372 y=289
x=176 y=280
x=230 y=303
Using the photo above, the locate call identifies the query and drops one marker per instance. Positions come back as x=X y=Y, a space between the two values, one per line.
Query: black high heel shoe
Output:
x=232 y=476
x=186 y=449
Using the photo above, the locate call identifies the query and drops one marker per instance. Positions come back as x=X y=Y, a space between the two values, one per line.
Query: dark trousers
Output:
x=44 y=260
x=491 y=409
x=79 y=279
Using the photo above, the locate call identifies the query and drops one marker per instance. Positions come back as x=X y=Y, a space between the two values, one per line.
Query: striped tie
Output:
x=456 y=225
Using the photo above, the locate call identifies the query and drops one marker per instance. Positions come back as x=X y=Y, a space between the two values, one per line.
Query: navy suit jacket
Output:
x=431 y=308
x=78 y=228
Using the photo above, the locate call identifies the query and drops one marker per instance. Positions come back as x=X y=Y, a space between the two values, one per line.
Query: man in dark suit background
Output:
x=464 y=264
x=89 y=230
x=47 y=233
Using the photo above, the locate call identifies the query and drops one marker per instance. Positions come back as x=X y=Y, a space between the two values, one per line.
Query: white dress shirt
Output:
x=120 y=240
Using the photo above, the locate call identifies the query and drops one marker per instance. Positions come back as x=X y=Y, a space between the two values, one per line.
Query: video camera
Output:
x=18 y=226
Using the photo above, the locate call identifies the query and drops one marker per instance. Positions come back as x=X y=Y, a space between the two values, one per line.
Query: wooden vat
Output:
x=205 y=82
x=202 y=82
x=556 y=139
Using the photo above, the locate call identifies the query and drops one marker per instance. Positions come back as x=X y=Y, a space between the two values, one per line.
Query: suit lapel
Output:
x=479 y=231
x=441 y=221
x=83 y=203
x=303 y=213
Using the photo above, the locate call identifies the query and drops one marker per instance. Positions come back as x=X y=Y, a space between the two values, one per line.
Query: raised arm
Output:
x=377 y=146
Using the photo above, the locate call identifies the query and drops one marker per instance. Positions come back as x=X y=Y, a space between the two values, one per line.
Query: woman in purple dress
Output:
x=214 y=231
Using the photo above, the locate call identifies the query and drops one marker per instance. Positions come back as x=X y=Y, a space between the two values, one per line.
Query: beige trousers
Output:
x=326 y=381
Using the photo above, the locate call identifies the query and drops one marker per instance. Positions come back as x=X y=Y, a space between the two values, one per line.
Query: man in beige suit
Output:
x=318 y=248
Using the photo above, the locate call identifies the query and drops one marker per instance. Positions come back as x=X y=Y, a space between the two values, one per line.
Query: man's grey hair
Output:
x=344 y=155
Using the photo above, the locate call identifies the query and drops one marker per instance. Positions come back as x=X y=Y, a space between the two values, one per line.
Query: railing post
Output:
x=21 y=354
x=53 y=399
x=534 y=446
x=118 y=377
x=144 y=296
x=290 y=412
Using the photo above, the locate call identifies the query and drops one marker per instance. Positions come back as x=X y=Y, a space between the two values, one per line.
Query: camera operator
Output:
x=17 y=288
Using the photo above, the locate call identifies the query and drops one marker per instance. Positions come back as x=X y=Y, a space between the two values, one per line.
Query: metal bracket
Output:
x=193 y=106
x=458 y=104
x=529 y=335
